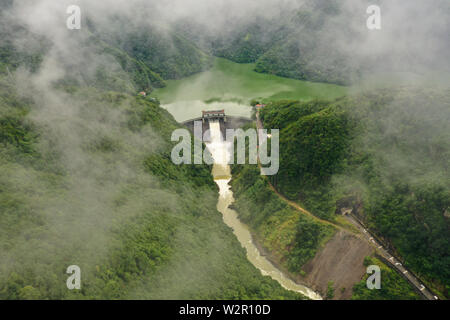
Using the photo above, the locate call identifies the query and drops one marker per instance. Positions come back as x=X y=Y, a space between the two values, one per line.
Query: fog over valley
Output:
x=355 y=96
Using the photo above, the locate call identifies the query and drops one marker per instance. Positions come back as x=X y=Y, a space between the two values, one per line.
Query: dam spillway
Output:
x=220 y=151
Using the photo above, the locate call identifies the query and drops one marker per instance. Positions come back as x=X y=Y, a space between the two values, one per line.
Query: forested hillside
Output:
x=165 y=52
x=328 y=41
x=113 y=68
x=136 y=59
x=11 y=55
x=382 y=154
x=309 y=52
x=98 y=189
x=289 y=44
x=294 y=239
x=86 y=176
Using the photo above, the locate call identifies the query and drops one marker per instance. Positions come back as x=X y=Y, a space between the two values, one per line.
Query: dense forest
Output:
x=165 y=52
x=327 y=41
x=98 y=190
x=285 y=44
x=382 y=154
x=293 y=238
x=136 y=59
x=86 y=177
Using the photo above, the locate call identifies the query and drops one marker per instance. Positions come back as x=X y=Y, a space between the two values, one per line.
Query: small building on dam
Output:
x=226 y=122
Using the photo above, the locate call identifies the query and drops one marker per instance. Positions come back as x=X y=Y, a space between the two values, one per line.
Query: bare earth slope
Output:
x=341 y=261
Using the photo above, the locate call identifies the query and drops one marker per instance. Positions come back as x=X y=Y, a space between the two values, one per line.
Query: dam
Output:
x=225 y=122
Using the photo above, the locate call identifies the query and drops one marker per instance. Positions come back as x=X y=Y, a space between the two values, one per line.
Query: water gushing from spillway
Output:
x=221 y=172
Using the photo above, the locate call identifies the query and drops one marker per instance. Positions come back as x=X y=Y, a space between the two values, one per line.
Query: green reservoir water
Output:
x=231 y=86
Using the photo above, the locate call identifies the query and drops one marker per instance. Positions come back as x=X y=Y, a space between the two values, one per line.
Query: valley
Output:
x=361 y=149
x=334 y=255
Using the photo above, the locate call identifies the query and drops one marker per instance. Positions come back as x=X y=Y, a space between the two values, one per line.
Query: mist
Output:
x=413 y=38
x=414 y=43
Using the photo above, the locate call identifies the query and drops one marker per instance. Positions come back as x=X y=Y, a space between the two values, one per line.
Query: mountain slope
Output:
x=165 y=52
x=328 y=41
x=381 y=155
x=91 y=183
x=136 y=59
